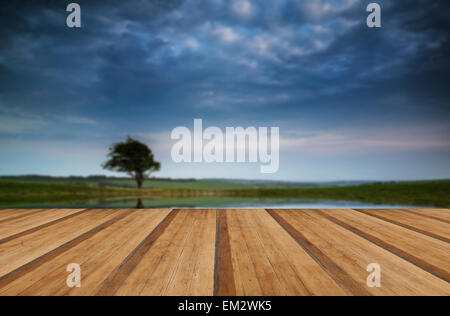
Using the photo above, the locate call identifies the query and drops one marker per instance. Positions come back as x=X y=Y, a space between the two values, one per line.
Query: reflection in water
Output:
x=213 y=202
x=254 y=203
x=140 y=204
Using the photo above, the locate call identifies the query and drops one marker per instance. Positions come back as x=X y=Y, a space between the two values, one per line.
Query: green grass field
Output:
x=131 y=184
x=420 y=193
x=40 y=191
x=13 y=192
x=423 y=193
x=189 y=185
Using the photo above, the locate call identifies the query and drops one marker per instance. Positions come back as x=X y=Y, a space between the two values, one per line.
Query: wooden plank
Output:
x=156 y=272
x=4 y=210
x=98 y=256
x=353 y=254
x=420 y=224
x=152 y=273
x=440 y=215
x=15 y=227
x=202 y=282
x=7 y=281
x=118 y=276
x=187 y=278
x=6 y=215
x=267 y=261
x=428 y=253
x=246 y=274
x=296 y=230
x=51 y=273
x=228 y=252
x=224 y=284
x=22 y=250
x=296 y=270
x=162 y=247
x=126 y=238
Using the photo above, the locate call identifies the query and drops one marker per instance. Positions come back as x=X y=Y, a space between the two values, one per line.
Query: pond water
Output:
x=217 y=202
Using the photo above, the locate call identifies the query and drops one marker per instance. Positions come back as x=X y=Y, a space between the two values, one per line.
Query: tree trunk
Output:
x=139 y=180
x=139 y=204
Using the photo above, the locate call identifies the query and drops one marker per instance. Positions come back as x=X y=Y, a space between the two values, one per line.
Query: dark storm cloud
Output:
x=216 y=54
x=148 y=66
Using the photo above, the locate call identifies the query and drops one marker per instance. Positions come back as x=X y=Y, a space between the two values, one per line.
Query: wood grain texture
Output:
x=223 y=268
x=116 y=277
x=285 y=218
x=427 y=253
x=7 y=279
x=418 y=223
x=22 y=225
x=440 y=215
x=253 y=272
x=168 y=269
x=52 y=269
x=297 y=272
x=353 y=254
x=7 y=215
x=224 y=252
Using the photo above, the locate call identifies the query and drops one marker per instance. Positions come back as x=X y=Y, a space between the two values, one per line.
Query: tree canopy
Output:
x=134 y=158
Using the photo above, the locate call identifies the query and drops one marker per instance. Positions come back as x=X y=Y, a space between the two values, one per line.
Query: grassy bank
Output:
x=190 y=184
x=429 y=193
x=170 y=184
x=424 y=193
x=32 y=192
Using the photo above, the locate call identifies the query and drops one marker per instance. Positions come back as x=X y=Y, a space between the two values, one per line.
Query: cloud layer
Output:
x=145 y=67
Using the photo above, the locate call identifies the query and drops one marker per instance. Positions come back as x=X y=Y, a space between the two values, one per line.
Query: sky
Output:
x=351 y=102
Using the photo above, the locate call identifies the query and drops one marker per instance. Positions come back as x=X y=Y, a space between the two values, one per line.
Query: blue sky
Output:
x=352 y=103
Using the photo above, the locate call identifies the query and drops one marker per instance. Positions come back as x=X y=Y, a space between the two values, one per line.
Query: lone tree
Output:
x=134 y=158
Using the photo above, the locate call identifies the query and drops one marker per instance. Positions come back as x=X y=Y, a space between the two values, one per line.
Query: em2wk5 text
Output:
x=238 y=305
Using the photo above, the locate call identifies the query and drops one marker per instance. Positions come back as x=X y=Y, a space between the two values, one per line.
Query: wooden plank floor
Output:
x=225 y=252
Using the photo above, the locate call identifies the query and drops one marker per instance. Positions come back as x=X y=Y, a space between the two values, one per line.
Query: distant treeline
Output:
x=420 y=193
x=90 y=177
